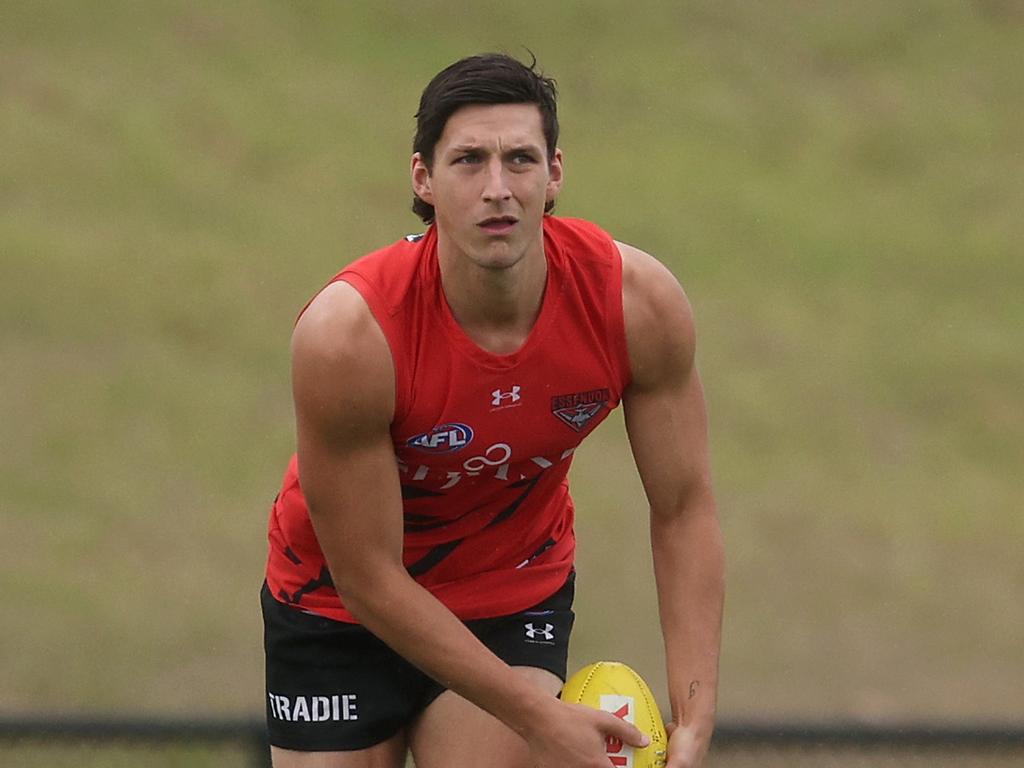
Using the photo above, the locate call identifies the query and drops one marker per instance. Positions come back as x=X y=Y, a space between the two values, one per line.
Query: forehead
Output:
x=493 y=124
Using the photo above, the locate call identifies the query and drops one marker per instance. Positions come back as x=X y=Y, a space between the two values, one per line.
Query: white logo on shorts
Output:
x=313 y=709
x=544 y=633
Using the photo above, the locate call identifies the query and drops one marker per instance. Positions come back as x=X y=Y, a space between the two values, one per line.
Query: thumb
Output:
x=625 y=732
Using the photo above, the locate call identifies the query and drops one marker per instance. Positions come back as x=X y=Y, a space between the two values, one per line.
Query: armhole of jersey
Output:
x=379 y=309
x=617 y=320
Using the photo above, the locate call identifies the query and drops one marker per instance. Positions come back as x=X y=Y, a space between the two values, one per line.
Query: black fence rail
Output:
x=95 y=741
x=864 y=745
x=29 y=741
x=860 y=734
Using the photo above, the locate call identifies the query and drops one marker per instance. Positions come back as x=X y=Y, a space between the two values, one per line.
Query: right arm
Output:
x=343 y=384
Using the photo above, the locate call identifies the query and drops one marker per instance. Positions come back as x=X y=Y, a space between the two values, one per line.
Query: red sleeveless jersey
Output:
x=483 y=442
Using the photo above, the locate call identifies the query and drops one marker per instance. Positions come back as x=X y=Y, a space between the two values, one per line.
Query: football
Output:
x=614 y=687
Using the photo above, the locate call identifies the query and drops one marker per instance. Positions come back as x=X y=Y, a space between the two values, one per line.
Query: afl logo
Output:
x=445 y=438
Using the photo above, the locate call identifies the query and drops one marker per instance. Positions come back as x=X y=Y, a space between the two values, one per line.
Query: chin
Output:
x=498 y=256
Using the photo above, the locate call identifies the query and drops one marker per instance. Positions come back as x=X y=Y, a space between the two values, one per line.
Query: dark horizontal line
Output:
x=854 y=733
x=727 y=734
x=113 y=727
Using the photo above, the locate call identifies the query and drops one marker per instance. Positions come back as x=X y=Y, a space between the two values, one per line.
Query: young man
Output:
x=419 y=583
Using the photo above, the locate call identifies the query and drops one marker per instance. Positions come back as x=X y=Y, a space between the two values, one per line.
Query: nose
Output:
x=496 y=186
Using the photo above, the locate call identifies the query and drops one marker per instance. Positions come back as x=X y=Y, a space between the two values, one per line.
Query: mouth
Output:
x=498 y=225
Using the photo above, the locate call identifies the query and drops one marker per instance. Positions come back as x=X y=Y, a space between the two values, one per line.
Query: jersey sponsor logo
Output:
x=494 y=456
x=576 y=410
x=540 y=633
x=496 y=463
x=623 y=707
x=313 y=709
x=499 y=398
x=414 y=238
x=445 y=438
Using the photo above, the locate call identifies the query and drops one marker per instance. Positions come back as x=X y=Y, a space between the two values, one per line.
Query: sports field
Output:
x=839 y=186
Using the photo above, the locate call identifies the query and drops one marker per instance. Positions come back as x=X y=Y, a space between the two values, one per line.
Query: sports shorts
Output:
x=336 y=686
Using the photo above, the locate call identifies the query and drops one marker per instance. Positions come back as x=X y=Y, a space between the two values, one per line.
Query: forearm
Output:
x=421 y=629
x=689 y=569
x=364 y=554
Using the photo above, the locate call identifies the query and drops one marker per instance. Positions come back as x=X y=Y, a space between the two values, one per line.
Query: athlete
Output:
x=420 y=577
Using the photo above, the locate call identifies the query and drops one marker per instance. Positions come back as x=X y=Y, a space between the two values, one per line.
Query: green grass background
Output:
x=839 y=186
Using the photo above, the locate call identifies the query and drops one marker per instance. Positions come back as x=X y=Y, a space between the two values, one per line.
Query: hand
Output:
x=575 y=736
x=687 y=745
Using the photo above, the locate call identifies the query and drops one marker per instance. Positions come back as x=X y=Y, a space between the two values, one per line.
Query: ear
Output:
x=555 y=176
x=420 y=175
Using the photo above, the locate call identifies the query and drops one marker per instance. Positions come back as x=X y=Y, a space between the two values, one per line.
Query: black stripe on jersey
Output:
x=414 y=492
x=432 y=558
x=440 y=552
x=542 y=549
x=323 y=580
x=508 y=511
x=414 y=522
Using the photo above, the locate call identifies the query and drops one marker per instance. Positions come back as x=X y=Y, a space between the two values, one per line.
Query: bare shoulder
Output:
x=660 y=331
x=342 y=369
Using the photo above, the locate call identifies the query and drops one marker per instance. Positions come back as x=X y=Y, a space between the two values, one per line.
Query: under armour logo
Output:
x=543 y=633
x=498 y=397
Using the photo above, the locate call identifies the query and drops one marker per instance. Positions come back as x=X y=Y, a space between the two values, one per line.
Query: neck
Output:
x=495 y=307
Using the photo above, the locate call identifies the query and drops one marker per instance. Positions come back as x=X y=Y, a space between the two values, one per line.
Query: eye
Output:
x=467 y=159
x=523 y=158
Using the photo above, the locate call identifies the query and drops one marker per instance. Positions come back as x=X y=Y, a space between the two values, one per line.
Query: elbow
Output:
x=366 y=586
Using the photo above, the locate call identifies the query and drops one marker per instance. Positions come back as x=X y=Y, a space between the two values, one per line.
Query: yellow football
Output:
x=614 y=687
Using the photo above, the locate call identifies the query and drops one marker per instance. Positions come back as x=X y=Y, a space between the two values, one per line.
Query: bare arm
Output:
x=667 y=425
x=343 y=384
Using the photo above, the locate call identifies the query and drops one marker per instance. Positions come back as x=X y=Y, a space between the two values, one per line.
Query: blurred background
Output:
x=838 y=186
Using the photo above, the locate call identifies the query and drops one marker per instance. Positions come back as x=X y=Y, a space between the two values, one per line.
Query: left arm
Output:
x=666 y=421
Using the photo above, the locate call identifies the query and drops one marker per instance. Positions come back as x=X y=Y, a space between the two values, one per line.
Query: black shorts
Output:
x=336 y=686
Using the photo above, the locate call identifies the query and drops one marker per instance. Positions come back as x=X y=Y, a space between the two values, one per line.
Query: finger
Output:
x=626 y=732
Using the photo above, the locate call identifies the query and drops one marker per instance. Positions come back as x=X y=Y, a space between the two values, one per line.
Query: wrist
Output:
x=698 y=715
x=527 y=709
x=700 y=725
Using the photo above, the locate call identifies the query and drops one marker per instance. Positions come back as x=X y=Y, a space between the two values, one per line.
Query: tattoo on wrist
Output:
x=694 y=685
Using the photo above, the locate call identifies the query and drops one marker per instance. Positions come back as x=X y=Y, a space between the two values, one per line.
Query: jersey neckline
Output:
x=549 y=305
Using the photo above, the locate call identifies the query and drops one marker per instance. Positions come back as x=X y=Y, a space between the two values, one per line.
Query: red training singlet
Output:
x=483 y=442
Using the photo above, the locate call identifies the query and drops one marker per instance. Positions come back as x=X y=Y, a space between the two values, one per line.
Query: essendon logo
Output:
x=577 y=409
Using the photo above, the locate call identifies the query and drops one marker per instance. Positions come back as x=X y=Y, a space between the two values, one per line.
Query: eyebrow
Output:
x=521 y=147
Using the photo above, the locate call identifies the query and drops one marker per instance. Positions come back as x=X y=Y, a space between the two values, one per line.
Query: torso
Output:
x=483 y=441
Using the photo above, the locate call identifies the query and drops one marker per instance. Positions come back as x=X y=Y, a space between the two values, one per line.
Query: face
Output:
x=490 y=180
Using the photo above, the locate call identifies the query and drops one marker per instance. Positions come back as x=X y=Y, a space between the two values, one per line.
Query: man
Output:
x=419 y=583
